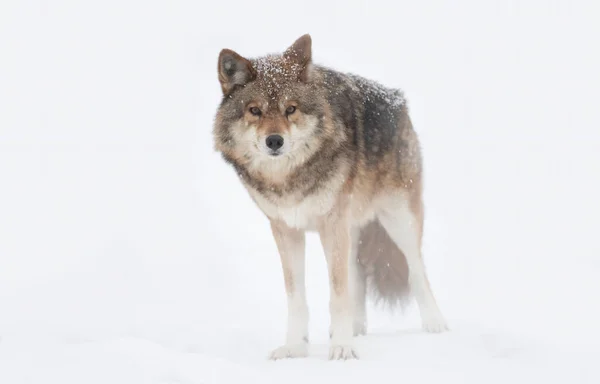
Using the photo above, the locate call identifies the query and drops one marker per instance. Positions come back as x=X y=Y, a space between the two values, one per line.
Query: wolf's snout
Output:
x=274 y=142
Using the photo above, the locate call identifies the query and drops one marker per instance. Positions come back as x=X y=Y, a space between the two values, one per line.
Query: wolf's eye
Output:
x=291 y=109
x=255 y=111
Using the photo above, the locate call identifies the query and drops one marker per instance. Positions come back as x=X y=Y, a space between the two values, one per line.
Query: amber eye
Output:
x=255 y=111
x=291 y=109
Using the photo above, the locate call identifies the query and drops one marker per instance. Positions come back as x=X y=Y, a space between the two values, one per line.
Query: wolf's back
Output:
x=384 y=265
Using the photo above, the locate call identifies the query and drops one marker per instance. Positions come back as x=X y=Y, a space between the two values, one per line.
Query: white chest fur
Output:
x=295 y=212
x=298 y=211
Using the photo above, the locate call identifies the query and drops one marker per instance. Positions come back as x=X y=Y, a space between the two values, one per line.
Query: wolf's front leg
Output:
x=290 y=243
x=335 y=237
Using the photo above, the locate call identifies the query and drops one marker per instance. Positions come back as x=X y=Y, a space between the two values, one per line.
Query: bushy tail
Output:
x=384 y=265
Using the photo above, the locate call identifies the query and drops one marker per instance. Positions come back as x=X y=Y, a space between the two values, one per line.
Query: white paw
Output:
x=434 y=323
x=290 y=351
x=342 y=352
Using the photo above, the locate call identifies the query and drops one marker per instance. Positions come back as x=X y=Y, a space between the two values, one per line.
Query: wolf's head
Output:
x=272 y=114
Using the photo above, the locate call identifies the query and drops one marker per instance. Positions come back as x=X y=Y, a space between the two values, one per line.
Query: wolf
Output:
x=335 y=153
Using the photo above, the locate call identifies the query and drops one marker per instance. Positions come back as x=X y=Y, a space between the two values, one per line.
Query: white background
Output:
x=129 y=252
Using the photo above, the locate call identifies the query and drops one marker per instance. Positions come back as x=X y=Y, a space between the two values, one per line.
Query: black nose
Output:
x=274 y=142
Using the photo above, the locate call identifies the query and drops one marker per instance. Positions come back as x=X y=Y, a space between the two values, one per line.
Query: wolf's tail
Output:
x=384 y=266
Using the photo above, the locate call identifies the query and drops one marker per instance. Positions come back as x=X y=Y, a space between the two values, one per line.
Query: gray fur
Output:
x=364 y=134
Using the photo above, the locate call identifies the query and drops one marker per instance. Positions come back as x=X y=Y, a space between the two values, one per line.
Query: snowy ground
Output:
x=129 y=253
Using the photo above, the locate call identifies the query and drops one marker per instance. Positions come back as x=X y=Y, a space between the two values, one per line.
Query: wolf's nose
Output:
x=274 y=142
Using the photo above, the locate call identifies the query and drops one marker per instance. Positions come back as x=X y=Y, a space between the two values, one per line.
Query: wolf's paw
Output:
x=289 y=351
x=434 y=323
x=342 y=352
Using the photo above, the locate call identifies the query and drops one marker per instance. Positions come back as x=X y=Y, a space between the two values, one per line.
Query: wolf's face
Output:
x=271 y=123
x=271 y=115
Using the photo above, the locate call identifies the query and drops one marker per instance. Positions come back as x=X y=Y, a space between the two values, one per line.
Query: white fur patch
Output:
x=296 y=341
x=401 y=225
x=297 y=327
x=356 y=287
x=301 y=213
x=341 y=330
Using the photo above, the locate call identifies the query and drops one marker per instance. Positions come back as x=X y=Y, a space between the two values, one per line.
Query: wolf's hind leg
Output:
x=404 y=223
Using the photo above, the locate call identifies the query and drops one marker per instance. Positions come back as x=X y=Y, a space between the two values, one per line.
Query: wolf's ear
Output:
x=301 y=53
x=233 y=70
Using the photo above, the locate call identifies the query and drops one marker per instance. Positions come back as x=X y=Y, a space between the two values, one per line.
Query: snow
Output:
x=130 y=253
x=374 y=90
